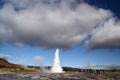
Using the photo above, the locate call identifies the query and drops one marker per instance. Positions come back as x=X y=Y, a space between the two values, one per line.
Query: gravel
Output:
x=60 y=76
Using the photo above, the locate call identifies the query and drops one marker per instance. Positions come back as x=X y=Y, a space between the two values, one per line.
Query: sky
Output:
x=85 y=31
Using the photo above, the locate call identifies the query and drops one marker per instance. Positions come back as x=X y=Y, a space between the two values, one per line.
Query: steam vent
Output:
x=56 y=68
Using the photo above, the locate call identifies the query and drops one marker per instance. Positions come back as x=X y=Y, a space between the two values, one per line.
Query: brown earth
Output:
x=6 y=64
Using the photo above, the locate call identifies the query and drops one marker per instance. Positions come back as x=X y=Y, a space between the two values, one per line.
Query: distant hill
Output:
x=72 y=69
x=5 y=64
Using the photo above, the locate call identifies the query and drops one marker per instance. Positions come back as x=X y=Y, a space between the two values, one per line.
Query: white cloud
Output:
x=106 y=35
x=4 y=56
x=39 y=60
x=48 y=25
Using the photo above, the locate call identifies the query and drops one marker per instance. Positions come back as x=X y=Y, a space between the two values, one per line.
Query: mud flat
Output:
x=60 y=76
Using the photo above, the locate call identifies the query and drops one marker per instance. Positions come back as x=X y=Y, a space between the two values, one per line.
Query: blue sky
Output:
x=75 y=57
x=23 y=42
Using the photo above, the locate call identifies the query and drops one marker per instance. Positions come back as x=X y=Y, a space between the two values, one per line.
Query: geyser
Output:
x=56 y=68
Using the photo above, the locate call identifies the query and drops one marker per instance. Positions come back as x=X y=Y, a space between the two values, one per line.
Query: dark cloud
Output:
x=48 y=25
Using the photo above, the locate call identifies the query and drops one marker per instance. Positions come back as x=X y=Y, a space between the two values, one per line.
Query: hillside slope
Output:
x=6 y=64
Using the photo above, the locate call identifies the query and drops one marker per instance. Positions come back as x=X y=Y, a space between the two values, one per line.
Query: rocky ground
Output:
x=61 y=76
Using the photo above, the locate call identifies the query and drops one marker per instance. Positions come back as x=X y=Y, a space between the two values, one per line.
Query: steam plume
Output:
x=56 y=66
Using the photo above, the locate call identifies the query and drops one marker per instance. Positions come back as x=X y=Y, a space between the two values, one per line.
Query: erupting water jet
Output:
x=56 y=68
